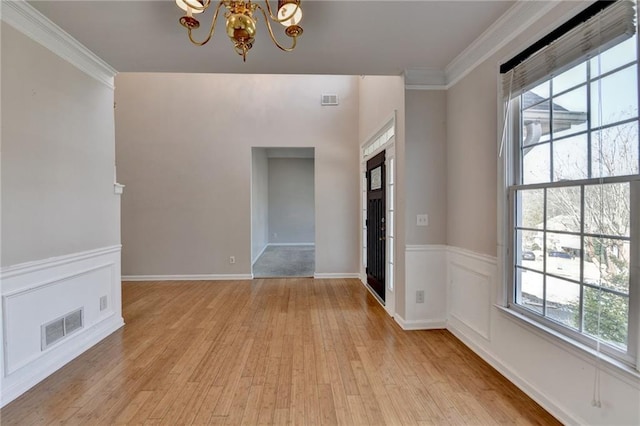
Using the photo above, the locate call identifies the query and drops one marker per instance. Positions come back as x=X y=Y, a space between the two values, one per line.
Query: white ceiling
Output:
x=340 y=37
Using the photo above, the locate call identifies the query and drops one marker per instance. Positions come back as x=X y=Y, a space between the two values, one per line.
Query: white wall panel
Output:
x=426 y=270
x=557 y=375
x=35 y=293
x=470 y=282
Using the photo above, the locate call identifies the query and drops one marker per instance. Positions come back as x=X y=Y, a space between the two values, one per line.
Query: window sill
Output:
x=617 y=368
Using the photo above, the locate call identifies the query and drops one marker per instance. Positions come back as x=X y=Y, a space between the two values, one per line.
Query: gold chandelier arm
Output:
x=275 y=18
x=212 y=29
x=273 y=38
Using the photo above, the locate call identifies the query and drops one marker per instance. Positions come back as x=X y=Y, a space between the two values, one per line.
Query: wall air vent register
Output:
x=329 y=100
x=60 y=328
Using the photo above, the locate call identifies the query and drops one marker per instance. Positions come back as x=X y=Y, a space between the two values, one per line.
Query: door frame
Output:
x=378 y=142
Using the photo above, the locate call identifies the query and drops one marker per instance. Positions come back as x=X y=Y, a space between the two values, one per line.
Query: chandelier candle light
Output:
x=241 y=25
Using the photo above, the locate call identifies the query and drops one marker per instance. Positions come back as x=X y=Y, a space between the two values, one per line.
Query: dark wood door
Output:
x=376 y=224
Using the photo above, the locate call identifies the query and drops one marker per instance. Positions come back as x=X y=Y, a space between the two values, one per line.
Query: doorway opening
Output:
x=283 y=212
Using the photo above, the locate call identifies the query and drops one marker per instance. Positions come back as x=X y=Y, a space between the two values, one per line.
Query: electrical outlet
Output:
x=422 y=220
x=420 y=296
x=232 y=259
x=103 y=303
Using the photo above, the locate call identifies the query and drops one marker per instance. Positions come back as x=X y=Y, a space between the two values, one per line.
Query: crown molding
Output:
x=510 y=25
x=26 y=19
x=424 y=79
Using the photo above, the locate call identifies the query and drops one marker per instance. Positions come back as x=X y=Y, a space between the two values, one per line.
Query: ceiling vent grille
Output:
x=56 y=330
x=329 y=100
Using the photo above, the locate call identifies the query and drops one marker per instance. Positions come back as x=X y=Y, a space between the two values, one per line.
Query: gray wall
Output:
x=58 y=156
x=426 y=172
x=291 y=200
x=259 y=202
x=472 y=162
x=184 y=151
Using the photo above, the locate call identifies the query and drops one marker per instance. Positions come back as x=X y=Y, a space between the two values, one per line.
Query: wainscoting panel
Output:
x=37 y=293
x=471 y=277
x=426 y=272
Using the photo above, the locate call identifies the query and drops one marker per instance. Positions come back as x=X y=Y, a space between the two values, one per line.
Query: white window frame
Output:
x=508 y=173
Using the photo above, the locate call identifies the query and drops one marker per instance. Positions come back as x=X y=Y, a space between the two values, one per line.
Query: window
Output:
x=384 y=136
x=574 y=195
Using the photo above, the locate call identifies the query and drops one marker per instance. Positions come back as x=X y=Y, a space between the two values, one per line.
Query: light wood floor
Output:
x=296 y=351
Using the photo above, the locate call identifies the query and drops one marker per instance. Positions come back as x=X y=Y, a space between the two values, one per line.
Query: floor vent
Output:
x=56 y=330
x=329 y=100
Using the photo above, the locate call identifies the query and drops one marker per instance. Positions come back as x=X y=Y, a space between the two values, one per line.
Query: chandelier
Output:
x=241 y=24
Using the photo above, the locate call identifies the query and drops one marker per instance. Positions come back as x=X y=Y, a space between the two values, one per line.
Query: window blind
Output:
x=604 y=29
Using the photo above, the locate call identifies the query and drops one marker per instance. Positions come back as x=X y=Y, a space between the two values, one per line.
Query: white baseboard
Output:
x=538 y=396
x=324 y=275
x=259 y=254
x=291 y=244
x=33 y=374
x=420 y=324
x=196 y=277
x=224 y=277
